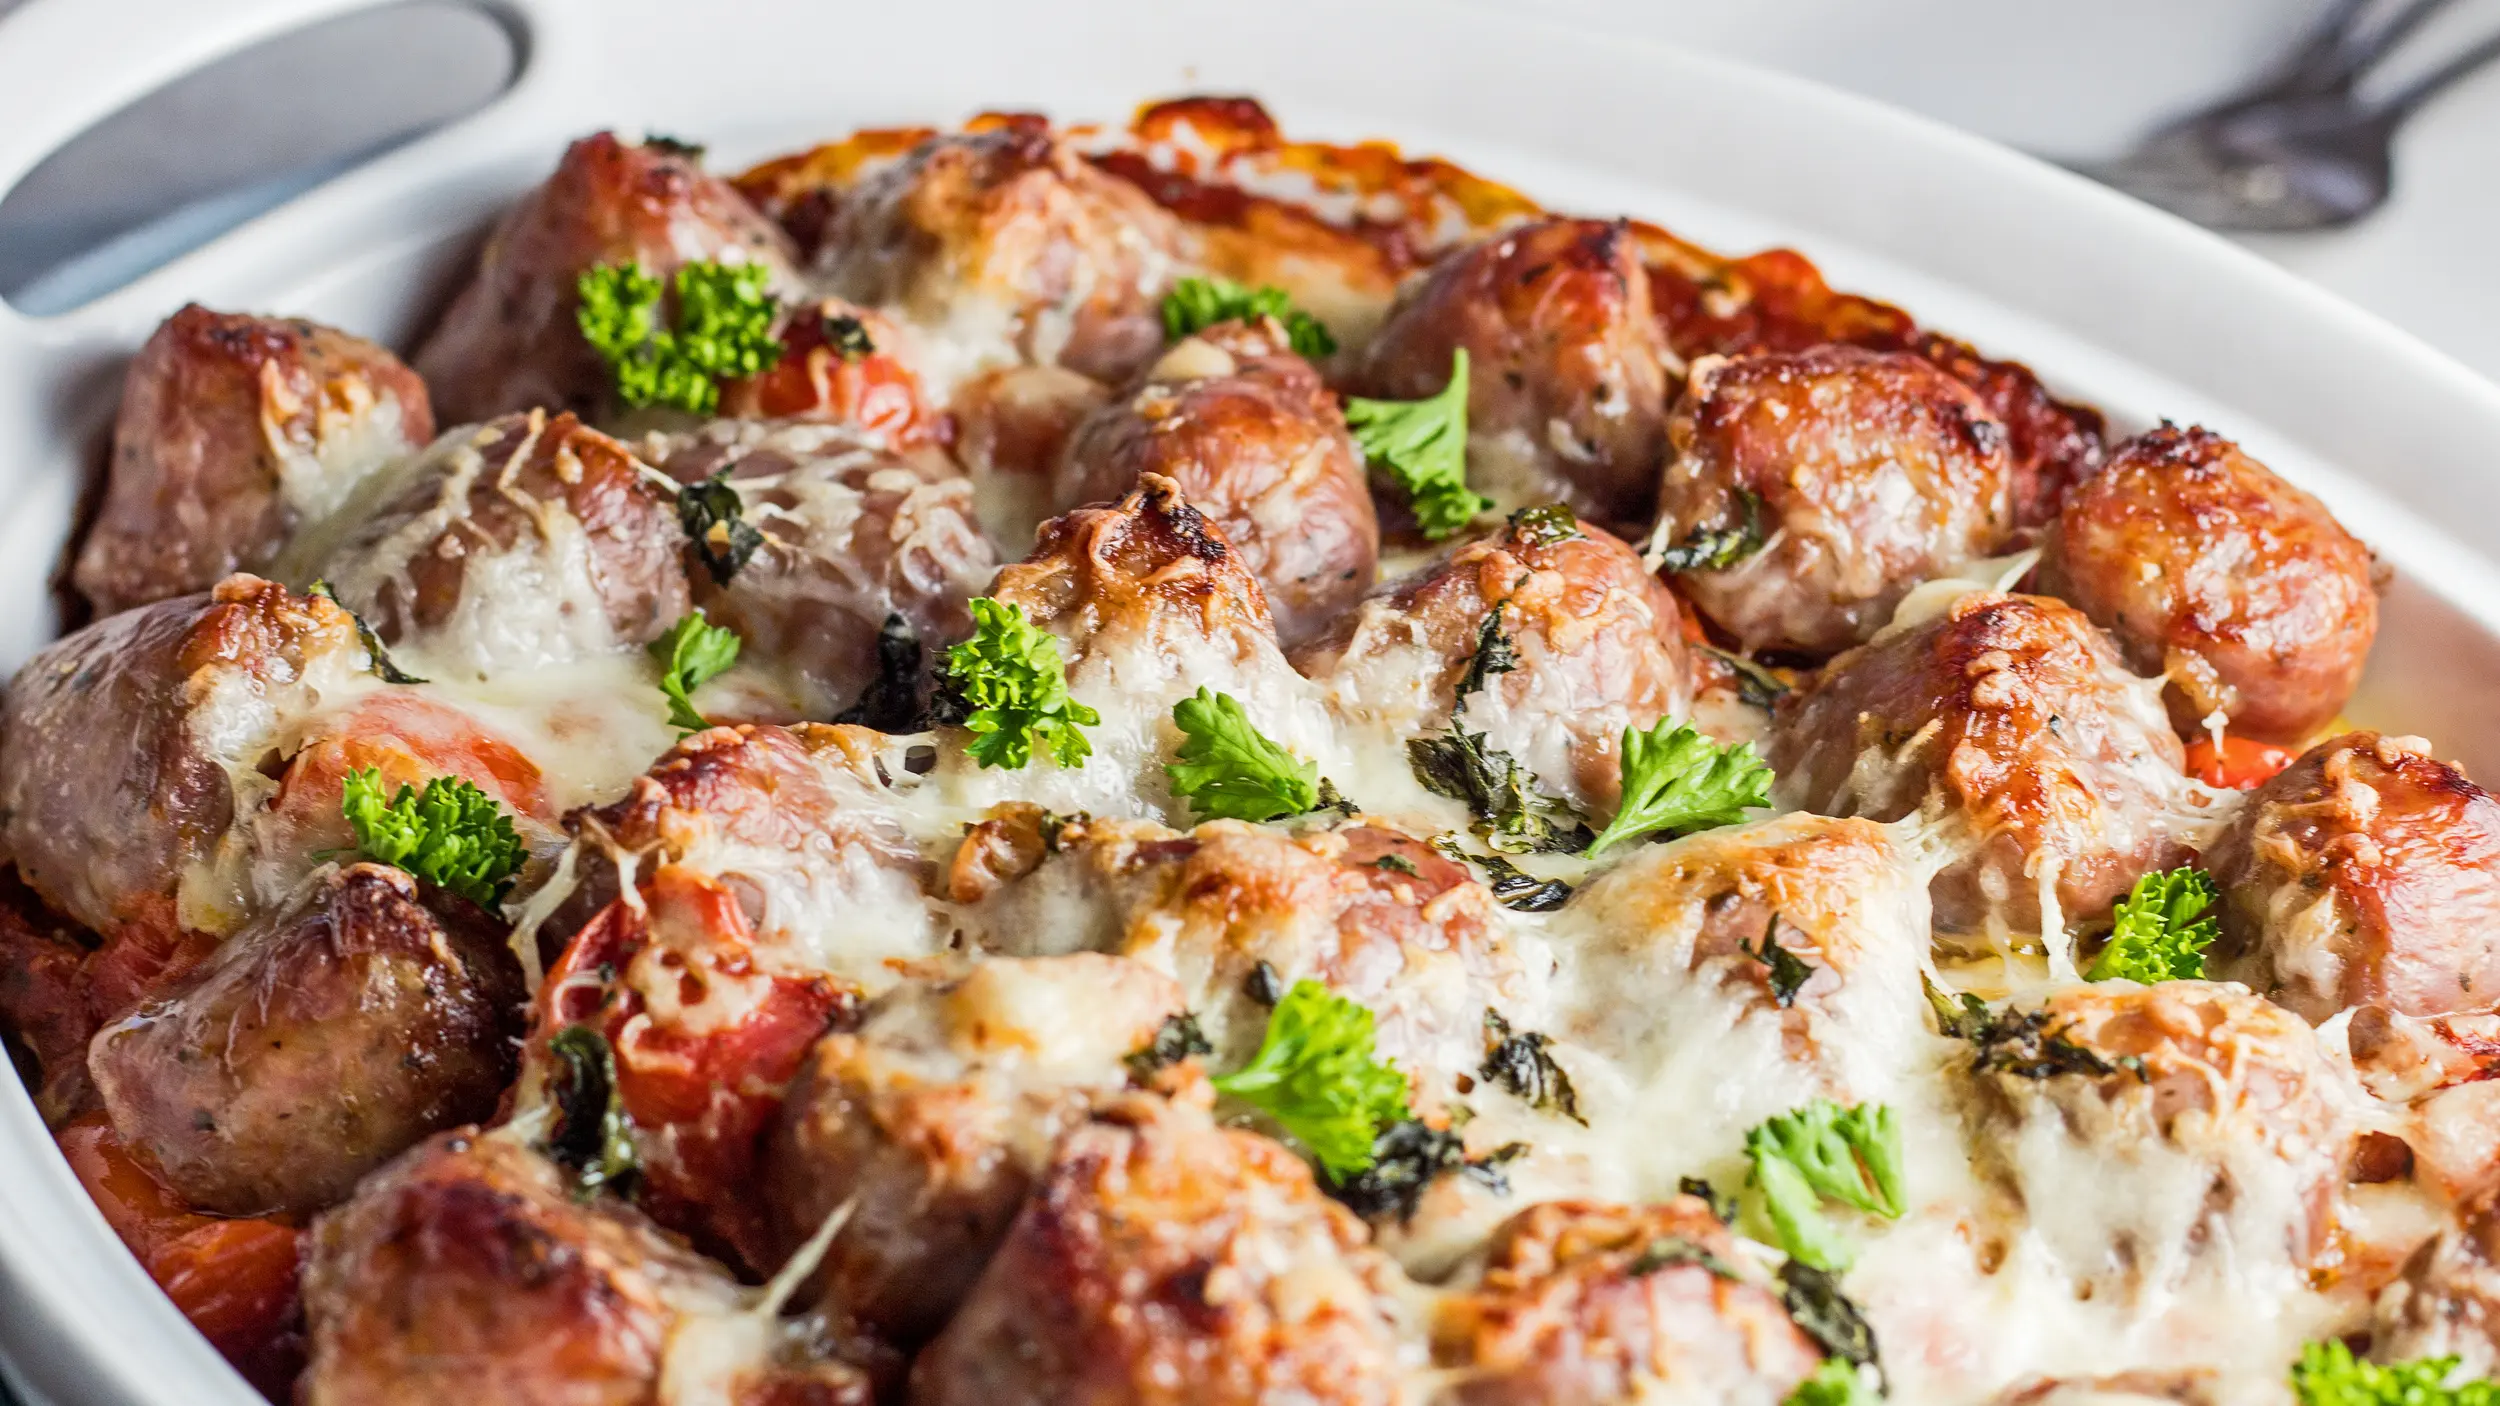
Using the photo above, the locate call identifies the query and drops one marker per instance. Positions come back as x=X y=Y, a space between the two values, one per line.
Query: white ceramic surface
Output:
x=2111 y=301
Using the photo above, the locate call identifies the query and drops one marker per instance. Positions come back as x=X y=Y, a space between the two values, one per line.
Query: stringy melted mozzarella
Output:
x=1673 y=1055
x=1672 y=1060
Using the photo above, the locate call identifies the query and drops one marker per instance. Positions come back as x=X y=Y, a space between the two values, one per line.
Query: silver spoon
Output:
x=2300 y=150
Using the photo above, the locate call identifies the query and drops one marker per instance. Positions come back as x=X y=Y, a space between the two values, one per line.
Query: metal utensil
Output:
x=2301 y=149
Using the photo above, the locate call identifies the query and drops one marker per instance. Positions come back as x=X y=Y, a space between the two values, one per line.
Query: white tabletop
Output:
x=2064 y=79
x=2077 y=80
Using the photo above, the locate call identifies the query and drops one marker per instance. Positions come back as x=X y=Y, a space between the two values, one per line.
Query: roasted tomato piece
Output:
x=705 y=1043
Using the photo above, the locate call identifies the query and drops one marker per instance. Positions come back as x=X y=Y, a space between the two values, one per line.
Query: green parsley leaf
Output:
x=1825 y=1152
x=1196 y=304
x=1834 y=1383
x=2327 y=1374
x=1009 y=688
x=451 y=834
x=693 y=652
x=724 y=328
x=1316 y=1075
x=592 y=1134
x=1678 y=781
x=1422 y=446
x=1668 y=1251
x=2161 y=930
x=1230 y=770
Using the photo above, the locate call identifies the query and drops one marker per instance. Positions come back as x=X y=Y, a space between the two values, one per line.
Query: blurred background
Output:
x=2072 y=82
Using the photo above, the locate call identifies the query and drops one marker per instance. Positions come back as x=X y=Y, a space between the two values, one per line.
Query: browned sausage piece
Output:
x=1668 y=975
x=470 y=1270
x=2239 y=588
x=791 y=822
x=1255 y=442
x=510 y=341
x=121 y=745
x=1377 y=916
x=2365 y=871
x=2017 y=716
x=1567 y=369
x=1573 y=1310
x=1594 y=642
x=528 y=541
x=2182 y=1128
x=1010 y=244
x=1862 y=473
x=935 y=1116
x=323 y=1040
x=1163 y=1259
x=235 y=430
x=1150 y=603
x=851 y=535
x=2447 y=1302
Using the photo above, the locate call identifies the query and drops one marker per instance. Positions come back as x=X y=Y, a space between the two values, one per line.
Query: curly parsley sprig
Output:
x=1422 y=446
x=1230 y=770
x=1317 y=1076
x=451 y=834
x=723 y=328
x=692 y=653
x=1009 y=687
x=1677 y=781
x=1196 y=304
x=1822 y=1152
x=2161 y=929
x=2327 y=1374
x=1837 y=1382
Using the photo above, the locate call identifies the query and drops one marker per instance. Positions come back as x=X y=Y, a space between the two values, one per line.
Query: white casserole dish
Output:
x=2111 y=302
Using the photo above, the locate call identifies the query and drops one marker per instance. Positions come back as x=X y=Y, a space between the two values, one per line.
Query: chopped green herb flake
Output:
x=1717 y=548
x=592 y=1133
x=714 y=519
x=1176 y=1039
